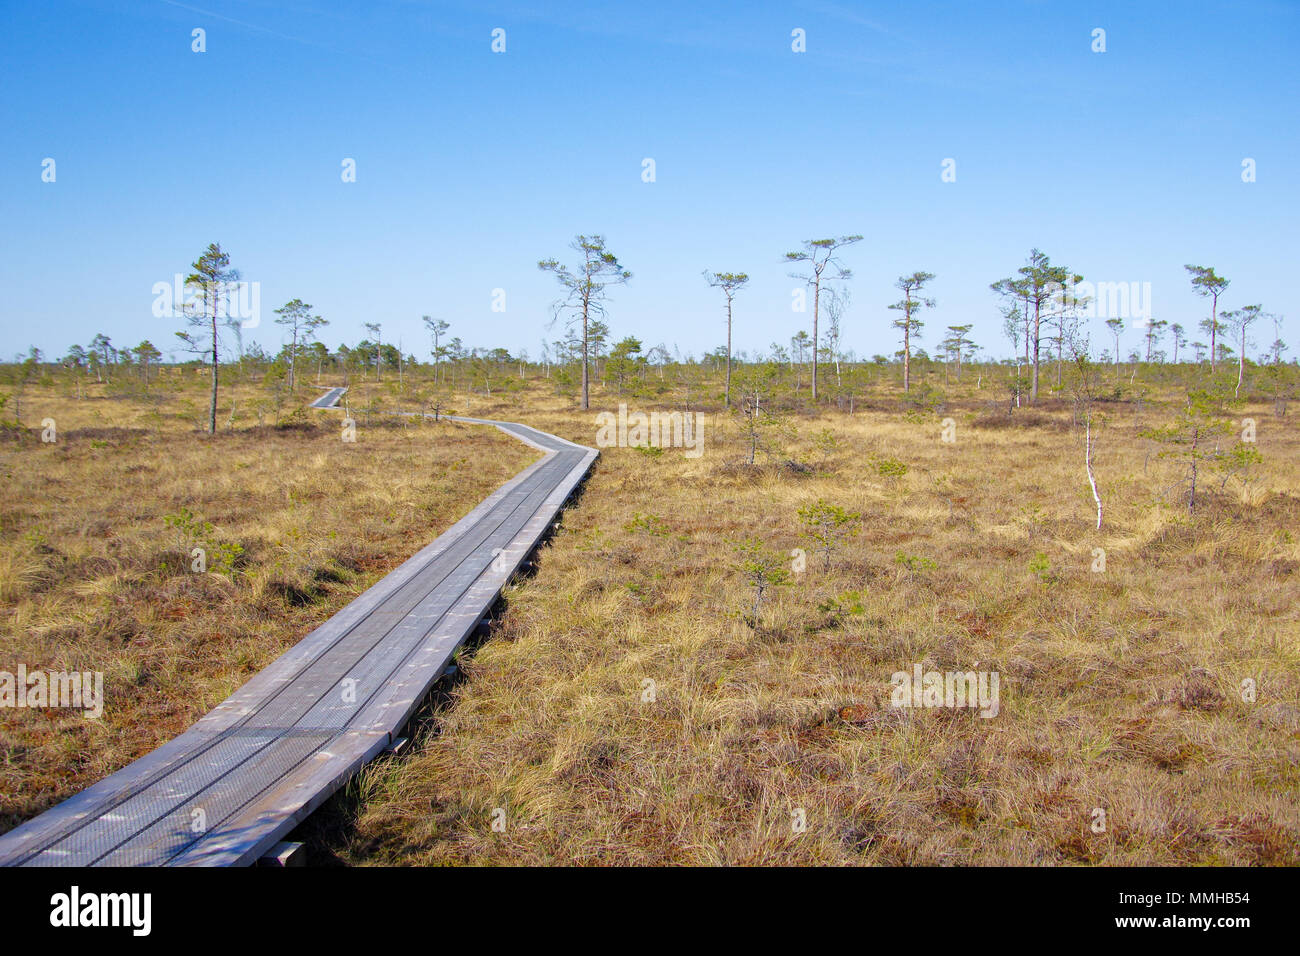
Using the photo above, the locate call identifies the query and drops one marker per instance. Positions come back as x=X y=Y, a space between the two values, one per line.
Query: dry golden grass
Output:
x=1119 y=690
x=92 y=579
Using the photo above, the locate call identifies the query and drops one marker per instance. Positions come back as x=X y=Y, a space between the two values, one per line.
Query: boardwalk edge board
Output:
x=266 y=816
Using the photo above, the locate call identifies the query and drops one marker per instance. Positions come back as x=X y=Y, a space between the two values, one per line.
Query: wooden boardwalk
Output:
x=329 y=399
x=235 y=783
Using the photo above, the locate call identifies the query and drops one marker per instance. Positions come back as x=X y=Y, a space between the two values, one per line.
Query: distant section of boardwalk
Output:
x=329 y=399
x=235 y=783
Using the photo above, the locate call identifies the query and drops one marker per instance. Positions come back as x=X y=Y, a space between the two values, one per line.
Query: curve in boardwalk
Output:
x=248 y=772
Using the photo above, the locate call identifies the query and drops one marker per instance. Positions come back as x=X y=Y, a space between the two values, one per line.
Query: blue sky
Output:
x=473 y=165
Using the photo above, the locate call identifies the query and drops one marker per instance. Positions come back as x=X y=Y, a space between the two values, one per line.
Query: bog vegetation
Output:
x=701 y=670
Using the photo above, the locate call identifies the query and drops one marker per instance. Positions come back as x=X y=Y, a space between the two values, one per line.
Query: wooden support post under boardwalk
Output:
x=285 y=854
